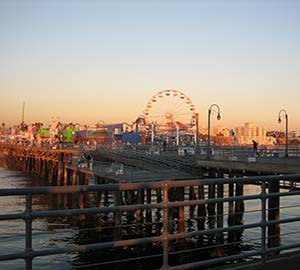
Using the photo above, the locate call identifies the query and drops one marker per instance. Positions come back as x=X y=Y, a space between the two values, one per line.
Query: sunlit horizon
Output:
x=87 y=61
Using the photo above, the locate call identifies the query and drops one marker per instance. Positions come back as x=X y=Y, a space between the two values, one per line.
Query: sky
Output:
x=89 y=61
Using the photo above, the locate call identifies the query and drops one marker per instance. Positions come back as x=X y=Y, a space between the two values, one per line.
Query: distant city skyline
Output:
x=86 y=61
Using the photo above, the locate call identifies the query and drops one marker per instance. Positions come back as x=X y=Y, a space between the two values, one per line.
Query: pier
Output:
x=137 y=198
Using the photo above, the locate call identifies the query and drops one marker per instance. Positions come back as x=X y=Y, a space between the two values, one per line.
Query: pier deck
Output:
x=265 y=165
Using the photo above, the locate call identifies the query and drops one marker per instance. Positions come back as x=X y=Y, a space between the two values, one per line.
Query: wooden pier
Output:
x=60 y=167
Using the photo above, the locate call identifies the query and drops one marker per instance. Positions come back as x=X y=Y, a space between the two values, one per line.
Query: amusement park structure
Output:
x=169 y=116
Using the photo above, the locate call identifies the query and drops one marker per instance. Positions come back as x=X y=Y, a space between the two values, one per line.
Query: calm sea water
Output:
x=62 y=232
x=47 y=233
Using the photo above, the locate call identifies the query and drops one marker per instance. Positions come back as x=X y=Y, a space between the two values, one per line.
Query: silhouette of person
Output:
x=255 y=153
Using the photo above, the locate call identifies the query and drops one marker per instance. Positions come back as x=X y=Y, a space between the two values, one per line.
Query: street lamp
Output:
x=286 y=129
x=211 y=110
x=152 y=132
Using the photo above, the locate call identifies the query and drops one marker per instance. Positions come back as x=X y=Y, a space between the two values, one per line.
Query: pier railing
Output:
x=222 y=153
x=268 y=221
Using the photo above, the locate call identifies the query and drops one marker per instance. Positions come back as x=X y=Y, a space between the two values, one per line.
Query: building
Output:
x=247 y=133
x=220 y=131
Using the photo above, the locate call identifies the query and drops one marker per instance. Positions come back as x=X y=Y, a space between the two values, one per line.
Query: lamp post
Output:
x=196 y=139
x=286 y=129
x=211 y=110
x=152 y=132
x=177 y=134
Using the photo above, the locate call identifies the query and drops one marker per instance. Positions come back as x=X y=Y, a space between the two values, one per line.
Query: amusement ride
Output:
x=169 y=116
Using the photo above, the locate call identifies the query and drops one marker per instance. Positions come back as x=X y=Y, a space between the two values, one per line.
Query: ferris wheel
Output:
x=170 y=108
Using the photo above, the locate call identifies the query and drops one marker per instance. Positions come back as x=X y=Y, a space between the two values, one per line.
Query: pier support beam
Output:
x=219 y=250
x=201 y=211
x=273 y=214
x=230 y=220
x=117 y=216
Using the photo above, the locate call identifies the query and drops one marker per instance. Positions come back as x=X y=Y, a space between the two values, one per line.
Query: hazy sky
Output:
x=94 y=60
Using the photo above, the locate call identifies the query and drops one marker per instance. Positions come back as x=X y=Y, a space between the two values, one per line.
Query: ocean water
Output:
x=47 y=233
x=62 y=232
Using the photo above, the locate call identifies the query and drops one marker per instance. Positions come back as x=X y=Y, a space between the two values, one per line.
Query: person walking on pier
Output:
x=255 y=153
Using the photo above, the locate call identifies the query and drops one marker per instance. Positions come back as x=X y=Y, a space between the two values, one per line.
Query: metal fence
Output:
x=231 y=153
x=166 y=235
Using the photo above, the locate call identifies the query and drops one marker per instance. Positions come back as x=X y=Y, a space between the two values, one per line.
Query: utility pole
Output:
x=23 y=111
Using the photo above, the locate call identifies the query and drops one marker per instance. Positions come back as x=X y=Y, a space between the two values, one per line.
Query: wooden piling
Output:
x=148 y=212
x=171 y=195
x=130 y=199
x=239 y=210
x=117 y=216
x=273 y=214
x=65 y=176
x=201 y=211
x=74 y=177
x=239 y=205
x=211 y=206
x=192 y=196
x=230 y=220
x=180 y=197
x=219 y=250
x=139 y=212
x=81 y=196
x=59 y=172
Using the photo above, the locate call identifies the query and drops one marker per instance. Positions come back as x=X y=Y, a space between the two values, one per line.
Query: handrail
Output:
x=166 y=236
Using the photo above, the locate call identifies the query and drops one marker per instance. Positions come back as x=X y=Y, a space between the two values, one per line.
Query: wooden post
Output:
x=239 y=205
x=117 y=216
x=230 y=220
x=50 y=169
x=42 y=168
x=24 y=163
x=86 y=194
x=273 y=214
x=129 y=199
x=158 y=211
x=106 y=195
x=74 y=177
x=180 y=197
x=158 y=194
x=98 y=203
x=98 y=194
x=32 y=165
x=239 y=211
x=192 y=196
x=37 y=165
x=139 y=212
x=46 y=168
x=171 y=194
x=211 y=206
x=60 y=168
x=81 y=196
x=201 y=211
x=74 y=183
x=59 y=172
x=148 y=212
x=211 y=212
x=65 y=176
x=66 y=183
x=29 y=164
x=219 y=250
